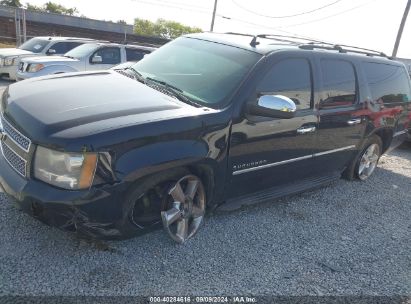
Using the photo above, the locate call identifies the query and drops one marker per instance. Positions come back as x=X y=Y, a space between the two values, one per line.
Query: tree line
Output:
x=48 y=7
x=161 y=28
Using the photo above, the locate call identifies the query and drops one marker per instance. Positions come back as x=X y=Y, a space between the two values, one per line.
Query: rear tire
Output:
x=365 y=163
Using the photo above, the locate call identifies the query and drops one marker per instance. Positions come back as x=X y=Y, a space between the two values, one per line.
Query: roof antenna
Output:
x=254 y=42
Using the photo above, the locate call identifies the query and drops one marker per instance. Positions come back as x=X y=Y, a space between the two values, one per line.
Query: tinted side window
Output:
x=134 y=54
x=339 y=84
x=387 y=83
x=291 y=78
x=60 y=47
x=72 y=45
x=109 y=55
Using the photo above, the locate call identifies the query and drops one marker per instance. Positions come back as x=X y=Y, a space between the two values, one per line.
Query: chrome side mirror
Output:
x=97 y=59
x=276 y=106
x=51 y=51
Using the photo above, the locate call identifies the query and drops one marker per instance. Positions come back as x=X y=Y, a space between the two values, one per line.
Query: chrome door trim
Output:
x=271 y=165
x=400 y=133
x=238 y=172
x=334 y=151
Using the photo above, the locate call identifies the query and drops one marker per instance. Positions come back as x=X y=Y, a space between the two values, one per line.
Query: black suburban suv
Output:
x=205 y=119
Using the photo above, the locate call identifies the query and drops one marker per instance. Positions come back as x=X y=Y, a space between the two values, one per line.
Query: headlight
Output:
x=33 y=68
x=9 y=60
x=71 y=171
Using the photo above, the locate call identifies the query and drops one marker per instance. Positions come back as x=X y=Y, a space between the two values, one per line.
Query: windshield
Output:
x=34 y=45
x=82 y=50
x=206 y=72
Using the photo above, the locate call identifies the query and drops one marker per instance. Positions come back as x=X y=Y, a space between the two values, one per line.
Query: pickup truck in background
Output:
x=37 y=46
x=87 y=57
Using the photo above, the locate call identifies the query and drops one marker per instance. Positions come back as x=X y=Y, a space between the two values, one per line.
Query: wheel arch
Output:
x=206 y=173
x=386 y=136
x=208 y=170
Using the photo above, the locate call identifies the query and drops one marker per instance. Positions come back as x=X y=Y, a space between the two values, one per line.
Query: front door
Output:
x=268 y=152
x=108 y=57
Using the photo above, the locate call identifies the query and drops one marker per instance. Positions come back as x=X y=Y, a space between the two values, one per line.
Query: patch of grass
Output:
x=6 y=45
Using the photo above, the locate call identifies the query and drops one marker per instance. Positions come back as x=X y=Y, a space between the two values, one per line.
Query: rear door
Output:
x=341 y=124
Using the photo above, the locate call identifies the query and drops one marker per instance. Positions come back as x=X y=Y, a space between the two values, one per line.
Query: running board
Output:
x=277 y=192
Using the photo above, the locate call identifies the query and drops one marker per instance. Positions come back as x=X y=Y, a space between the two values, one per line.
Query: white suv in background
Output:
x=37 y=46
x=87 y=57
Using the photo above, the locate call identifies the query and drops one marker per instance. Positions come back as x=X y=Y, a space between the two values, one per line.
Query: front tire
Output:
x=175 y=198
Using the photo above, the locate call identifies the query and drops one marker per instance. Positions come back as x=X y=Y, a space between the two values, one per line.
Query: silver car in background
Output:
x=87 y=57
x=37 y=46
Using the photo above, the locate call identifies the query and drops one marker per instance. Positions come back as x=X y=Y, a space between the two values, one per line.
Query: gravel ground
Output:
x=349 y=238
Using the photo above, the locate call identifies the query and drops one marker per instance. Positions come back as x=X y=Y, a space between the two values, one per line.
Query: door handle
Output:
x=305 y=130
x=354 y=121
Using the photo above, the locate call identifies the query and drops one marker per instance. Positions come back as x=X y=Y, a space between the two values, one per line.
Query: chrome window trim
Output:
x=11 y=165
x=238 y=172
x=3 y=122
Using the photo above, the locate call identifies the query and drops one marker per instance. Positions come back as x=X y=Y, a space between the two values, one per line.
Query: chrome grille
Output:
x=14 y=160
x=18 y=138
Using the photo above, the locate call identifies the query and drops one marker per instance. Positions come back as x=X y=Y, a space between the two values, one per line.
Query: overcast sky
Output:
x=366 y=23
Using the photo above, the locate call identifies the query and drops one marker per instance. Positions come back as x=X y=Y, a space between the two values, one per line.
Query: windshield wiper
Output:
x=176 y=92
x=137 y=74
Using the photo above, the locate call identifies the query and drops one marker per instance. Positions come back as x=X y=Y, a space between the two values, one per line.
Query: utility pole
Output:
x=214 y=12
x=400 y=30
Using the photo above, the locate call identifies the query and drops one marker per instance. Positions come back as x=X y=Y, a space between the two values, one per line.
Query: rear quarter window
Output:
x=387 y=83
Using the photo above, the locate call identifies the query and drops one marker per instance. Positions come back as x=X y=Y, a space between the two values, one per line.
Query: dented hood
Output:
x=75 y=105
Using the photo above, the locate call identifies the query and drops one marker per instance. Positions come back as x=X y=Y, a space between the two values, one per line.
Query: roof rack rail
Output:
x=364 y=49
x=239 y=34
x=276 y=36
x=281 y=38
x=313 y=44
x=253 y=41
x=343 y=49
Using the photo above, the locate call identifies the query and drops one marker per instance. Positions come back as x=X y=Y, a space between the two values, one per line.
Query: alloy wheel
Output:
x=369 y=161
x=186 y=201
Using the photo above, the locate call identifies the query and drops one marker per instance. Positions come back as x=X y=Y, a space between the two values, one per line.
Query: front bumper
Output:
x=95 y=213
x=22 y=76
x=9 y=71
